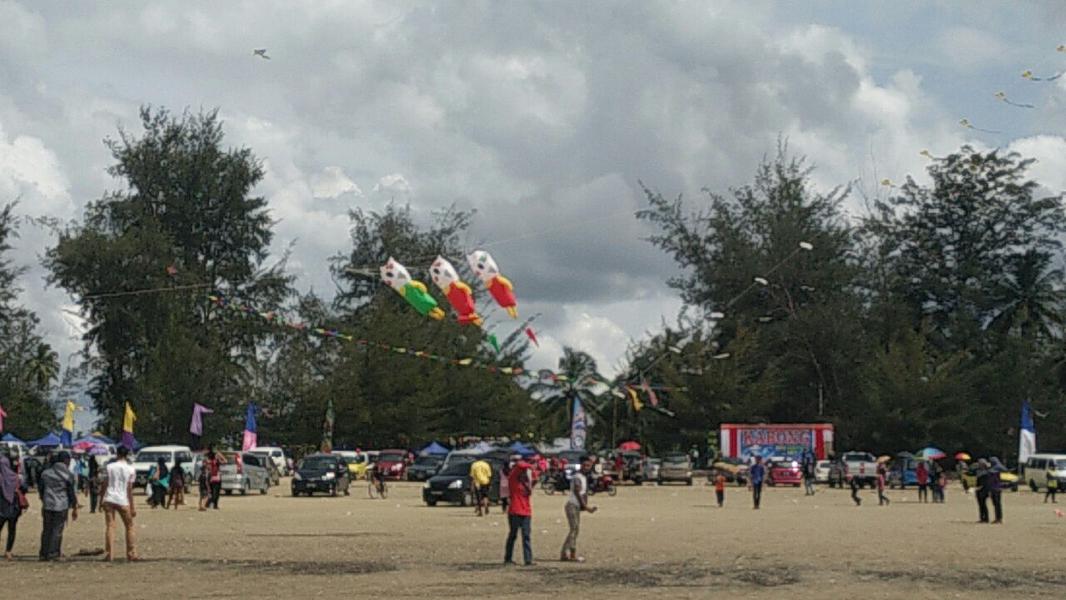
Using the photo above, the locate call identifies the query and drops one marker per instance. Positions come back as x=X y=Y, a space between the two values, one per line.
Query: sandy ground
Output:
x=662 y=542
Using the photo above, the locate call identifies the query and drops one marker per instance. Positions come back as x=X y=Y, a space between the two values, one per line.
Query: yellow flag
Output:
x=128 y=419
x=637 y=404
x=68 y=416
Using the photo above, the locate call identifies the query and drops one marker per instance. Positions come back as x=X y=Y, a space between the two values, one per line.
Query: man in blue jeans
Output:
x=520 y=512
x=756 y=474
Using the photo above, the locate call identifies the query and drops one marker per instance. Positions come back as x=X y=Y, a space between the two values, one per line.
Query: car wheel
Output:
x=229 y=492
x=245 y=488
x=431 y=502
x=333 y=492
x=466 y=499
x=688 y=482
x=659 y=482
x=347 y=490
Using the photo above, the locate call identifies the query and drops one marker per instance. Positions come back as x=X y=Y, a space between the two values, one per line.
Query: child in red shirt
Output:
x=719 y=488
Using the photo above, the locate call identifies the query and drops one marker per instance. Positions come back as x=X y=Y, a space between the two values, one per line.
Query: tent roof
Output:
x=49 y=439
x=433 y=448
x=9 y=437
x=521 y=448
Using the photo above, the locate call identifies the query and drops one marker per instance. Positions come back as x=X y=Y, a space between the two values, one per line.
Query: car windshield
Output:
x=318 y=462
x=153 y=457
x=457 y=468
x=1060 y=464
x=857 y=457
x=678 y=459
x=391 y=457
x=428 y=460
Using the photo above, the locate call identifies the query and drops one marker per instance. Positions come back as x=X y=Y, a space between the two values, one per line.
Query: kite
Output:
x=532 y=336
x=261 y=53
x=1027 y=74
x=494 y=342
x=930 y=156
x=1003 y=97
x=459 y=295
x=415 y=292
x=968 y=125
x=499 y=286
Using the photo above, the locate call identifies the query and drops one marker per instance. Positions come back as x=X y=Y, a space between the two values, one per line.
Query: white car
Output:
x=276 y=456
x=821 y=471
x=149 y=457
x=1037 y=467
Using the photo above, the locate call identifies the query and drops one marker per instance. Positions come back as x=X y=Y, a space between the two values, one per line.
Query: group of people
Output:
x=57 y=487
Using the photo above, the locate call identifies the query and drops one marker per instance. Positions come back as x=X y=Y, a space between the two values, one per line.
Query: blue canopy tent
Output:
x=520 y=448
x=9 y=437
x=50 y=440
x=433 y=449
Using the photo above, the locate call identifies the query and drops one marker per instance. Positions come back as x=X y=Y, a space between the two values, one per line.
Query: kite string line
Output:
x=178 y=288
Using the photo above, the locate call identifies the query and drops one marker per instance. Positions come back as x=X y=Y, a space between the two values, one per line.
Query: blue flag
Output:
x=1027 y=435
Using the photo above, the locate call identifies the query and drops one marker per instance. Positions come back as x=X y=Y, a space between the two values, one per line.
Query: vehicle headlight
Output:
x=297 y=476
x=688 y=474
x=397 y=467
x=329 y=475
x=426 y=486
x=456 y=485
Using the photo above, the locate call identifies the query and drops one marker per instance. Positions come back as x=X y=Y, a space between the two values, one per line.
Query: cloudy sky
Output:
x=543 y=116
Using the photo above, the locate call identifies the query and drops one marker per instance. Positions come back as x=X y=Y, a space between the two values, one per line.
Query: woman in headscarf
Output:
x=160 y=481
x=10 y=511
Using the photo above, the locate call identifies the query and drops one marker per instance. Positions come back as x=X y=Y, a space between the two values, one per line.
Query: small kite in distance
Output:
x=1061 y=47
x=1027 y=74
x=1002 y=96
x=261 y=53
x=968 y=125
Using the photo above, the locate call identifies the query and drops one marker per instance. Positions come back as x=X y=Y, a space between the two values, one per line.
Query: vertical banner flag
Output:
x=127 y=427
x=1027 y=435
x=66 y=437
x=250 y=429
x=578 y=426
x=2 y=415
x=327 y=427
x=196 y=427
x=651 y=393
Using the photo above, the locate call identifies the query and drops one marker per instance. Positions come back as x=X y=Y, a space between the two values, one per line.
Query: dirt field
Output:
x=646 y=542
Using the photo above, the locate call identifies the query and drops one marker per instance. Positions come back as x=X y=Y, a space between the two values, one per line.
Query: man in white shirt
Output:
x=578 y=502
x=117 y=491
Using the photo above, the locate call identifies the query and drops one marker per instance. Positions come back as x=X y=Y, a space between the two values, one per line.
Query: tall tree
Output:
x=144 y=259
x=28 y=365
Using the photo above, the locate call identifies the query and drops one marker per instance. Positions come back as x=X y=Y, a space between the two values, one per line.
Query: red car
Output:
x=785 y=472
x=393 y=463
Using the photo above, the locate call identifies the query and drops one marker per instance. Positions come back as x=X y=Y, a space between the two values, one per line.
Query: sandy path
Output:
x=645 y=542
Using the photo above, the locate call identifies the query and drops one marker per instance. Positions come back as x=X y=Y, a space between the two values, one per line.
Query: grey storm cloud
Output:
x=542 y=116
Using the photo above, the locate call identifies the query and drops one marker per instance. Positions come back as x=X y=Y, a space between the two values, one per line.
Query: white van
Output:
x=1037 y=467
x=149 y=457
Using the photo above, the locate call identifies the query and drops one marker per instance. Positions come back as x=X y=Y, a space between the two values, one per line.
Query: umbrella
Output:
x=962 y=456
x=904 y=454
x=627 y=446
x=883 y=459
x=931 y=453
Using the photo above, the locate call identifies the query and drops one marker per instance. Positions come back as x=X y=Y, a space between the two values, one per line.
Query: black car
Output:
x=424 y=467
x=321 y=473
x=453 y=483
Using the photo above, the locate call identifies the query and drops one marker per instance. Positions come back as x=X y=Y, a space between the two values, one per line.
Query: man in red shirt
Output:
x=520 y=511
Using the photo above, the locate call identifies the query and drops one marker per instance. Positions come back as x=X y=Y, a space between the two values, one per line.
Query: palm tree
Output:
x=1029 y=298
x=43 y=367
x=577 y=378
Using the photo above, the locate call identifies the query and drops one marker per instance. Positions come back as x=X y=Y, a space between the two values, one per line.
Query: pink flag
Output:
x=651 y=393
x=250 y=439
x=2 y=415
x=196 y=427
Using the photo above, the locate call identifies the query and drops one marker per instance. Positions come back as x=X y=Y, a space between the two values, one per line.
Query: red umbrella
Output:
x=627 y=446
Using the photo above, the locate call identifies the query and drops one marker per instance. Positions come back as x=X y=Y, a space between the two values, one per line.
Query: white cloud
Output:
x=393 y=183
x=332 y=182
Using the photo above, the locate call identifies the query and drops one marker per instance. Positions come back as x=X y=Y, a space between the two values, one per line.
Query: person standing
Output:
x=921 y=474
x=882 y=500
x=58 y=499
x=577 y=503
x=11 y=490
x=94 y=484
x=158 y=482
x=117 y=490
x=505 y=484
x=520 y=512
x=1052 y=486
x=177 y=486
x=808 y=472
x=756 y=474
x=480 y=480
x=983 y=488
x=854 y=482
x=995 y=489
x=213 y=463
x=719 y=488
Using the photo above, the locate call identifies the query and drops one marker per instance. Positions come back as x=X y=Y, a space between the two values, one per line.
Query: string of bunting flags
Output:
x=278 y=318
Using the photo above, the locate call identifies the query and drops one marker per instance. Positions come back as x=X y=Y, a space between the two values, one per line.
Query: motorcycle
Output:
x=554 y=481
x=602 y=484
